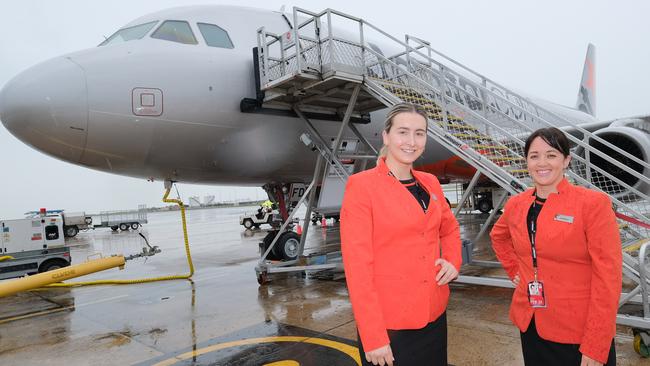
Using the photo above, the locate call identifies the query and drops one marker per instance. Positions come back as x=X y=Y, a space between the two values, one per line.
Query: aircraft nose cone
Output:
x=46 y=107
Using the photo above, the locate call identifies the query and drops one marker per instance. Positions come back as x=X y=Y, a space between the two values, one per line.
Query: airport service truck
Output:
x=74 y=222
x=32 y=245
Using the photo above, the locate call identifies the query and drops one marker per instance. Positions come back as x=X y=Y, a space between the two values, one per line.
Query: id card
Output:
x=536 y=294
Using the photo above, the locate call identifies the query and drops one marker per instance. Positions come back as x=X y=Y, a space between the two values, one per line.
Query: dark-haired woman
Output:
x=401 y=248
x=560 y=245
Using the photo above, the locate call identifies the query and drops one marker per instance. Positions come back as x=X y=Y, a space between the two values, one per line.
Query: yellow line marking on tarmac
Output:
x=283 y=363
x=351 y=351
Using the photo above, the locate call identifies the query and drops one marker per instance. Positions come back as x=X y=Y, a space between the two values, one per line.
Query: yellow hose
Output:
x=11 y=287
x=5 y=258
x=144 y=280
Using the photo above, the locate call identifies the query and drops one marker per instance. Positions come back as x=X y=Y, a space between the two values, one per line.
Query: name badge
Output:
x=536 y=296
x=564 y=218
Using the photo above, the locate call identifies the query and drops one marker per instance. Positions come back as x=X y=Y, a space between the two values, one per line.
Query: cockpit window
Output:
x=175 y=31
x=129 y=34
x=215 y=36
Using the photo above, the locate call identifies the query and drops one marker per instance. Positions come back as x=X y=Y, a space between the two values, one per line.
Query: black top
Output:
x=418 y=192
x=533 y=212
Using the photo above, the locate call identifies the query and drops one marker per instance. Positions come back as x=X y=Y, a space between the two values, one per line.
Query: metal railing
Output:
x=475 y=117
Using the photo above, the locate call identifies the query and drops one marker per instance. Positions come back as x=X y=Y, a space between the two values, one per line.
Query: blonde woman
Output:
x=401 y=248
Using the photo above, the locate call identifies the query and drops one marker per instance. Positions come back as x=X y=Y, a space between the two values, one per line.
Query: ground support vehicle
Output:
x=32 y=245
x=75 y=222
x=72 y=222
x=260 y=217
x=123 y=220
x=318 y=216
x=481 y=197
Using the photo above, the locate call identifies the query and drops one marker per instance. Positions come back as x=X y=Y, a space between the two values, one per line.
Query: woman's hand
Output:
x=447 y=272
x=515 y=281
x=587 y=361
x=381 y=356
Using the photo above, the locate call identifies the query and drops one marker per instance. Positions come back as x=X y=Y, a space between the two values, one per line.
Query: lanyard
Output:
x=533 y=231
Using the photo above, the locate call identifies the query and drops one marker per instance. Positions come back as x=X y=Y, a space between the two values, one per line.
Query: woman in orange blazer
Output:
x=566 y=295
x=401 y=247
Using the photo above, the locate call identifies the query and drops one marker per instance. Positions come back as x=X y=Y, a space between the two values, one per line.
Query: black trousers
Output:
x=417 y=347
x=540 y=352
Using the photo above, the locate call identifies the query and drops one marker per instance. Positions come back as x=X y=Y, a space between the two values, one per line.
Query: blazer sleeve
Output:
x=358 y=257
x=449 y=230
x=502 y=243
x=604 y=246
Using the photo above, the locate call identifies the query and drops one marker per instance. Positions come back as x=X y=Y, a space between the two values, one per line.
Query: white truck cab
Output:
x=32 y=245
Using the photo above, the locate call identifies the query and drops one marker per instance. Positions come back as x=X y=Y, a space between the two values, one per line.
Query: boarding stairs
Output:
x=477 y=119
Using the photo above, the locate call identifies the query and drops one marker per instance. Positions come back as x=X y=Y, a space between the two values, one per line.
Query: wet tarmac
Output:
x=222 y=316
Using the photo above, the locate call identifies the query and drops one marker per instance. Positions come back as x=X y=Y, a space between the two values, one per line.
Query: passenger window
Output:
x=175 y=31
x=129 y=34
x=215 y=36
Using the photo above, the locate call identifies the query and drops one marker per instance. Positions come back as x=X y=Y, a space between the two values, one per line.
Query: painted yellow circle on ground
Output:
x=283 y=363
x=351 y=351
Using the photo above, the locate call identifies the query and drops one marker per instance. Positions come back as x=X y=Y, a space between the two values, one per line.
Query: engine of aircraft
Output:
x=633 y=137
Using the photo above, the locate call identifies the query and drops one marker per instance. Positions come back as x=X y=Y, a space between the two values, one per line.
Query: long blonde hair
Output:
x=394 y=111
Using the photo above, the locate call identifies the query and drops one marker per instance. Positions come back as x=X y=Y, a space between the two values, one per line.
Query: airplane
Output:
x=161 y=99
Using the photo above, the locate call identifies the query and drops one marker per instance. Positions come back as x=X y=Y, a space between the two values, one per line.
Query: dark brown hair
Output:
x=552 y=136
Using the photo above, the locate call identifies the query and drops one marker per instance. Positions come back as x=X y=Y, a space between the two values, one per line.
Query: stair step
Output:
x=473 y=137
x=504 y=158
x=451 y=118
x=485 y=147
x=458 y=126
x=636 y=246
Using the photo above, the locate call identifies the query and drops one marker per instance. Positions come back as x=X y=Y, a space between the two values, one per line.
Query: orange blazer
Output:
x=579 y=261
x=389 y=249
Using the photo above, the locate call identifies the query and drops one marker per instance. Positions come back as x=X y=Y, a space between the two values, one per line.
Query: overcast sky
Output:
x=534 y=46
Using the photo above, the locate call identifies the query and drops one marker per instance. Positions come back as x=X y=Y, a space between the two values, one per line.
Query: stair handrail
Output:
x=447 y=84
x=517 y=140
x=481 y=87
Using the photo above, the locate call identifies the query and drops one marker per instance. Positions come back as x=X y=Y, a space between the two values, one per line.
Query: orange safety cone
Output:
x=299 y=229
x=323 y=222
